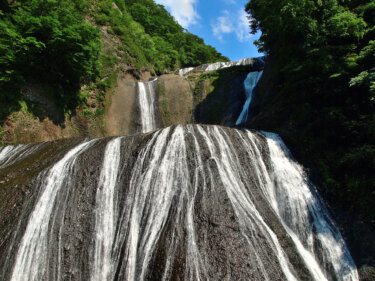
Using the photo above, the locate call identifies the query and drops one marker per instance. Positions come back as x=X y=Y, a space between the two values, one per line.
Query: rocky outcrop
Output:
x=208 y=94
x=119 y=117
x=175 y=100
x=39 y=118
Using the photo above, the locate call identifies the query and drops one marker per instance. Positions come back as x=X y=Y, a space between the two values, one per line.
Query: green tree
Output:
x=48 y=41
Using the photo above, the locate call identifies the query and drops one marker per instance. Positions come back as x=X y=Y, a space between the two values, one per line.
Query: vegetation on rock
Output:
x=48 y=42
x=75 y=48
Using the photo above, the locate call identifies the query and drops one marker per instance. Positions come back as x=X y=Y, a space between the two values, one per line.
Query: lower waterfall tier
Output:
x=183 y=203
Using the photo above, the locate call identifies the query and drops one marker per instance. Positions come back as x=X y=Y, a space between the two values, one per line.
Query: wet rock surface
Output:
x=189 y=203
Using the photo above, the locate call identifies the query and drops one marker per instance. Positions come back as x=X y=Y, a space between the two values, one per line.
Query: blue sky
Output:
x=221 y=23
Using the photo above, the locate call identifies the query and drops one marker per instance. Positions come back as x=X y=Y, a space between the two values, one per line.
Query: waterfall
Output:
x=303 y=213
x=150 y=197
x=184 y=71
x=221 y=65
x=11 y=154
x=32 y=259
x=250 y=83
x=183 y=203
x=251 y=221
x=106 y=213
x=304 y=216
x=147 y=100
x=8 y=153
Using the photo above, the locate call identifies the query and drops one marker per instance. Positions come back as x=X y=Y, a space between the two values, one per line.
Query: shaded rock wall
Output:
x=220 y=96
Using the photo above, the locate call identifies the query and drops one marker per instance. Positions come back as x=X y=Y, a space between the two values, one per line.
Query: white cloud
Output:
x=232 y=22
x=222 y=25
x=233 y=2
x=182 y=10
x=243 y=29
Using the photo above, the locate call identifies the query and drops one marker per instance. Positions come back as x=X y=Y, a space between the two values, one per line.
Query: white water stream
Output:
x=106 y=213
x=11 y=154
x=147 y=100
x=250 y=83
x=304 y=216
x=32 y=258
x=169 y=207
x=220 y=65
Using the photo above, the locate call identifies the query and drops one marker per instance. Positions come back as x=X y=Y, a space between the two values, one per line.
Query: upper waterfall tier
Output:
x=183 y=203
x=221 y=65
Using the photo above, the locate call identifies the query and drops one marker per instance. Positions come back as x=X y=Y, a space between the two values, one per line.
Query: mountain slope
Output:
x=60 y=60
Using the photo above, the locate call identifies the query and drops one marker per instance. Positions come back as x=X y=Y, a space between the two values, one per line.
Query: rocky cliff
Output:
x=208 y=94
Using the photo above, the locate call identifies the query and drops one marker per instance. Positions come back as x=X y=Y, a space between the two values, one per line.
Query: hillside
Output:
x=60 y=61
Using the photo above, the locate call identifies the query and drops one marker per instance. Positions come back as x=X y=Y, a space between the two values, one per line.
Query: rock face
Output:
x=121 y=111
x=175 y=100
x=207 y=94
x=183 y=203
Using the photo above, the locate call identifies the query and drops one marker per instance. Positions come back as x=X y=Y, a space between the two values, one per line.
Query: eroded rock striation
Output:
x=183 y=203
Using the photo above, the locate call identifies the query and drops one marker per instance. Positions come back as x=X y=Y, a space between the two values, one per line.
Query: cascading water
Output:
x=106 y=213
x=221 y=65
x=250 y=83
x=147 y=101
x=32 y=259
x=304 y=216
x=184 y=203
x=10 y=154
x=185 y=71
